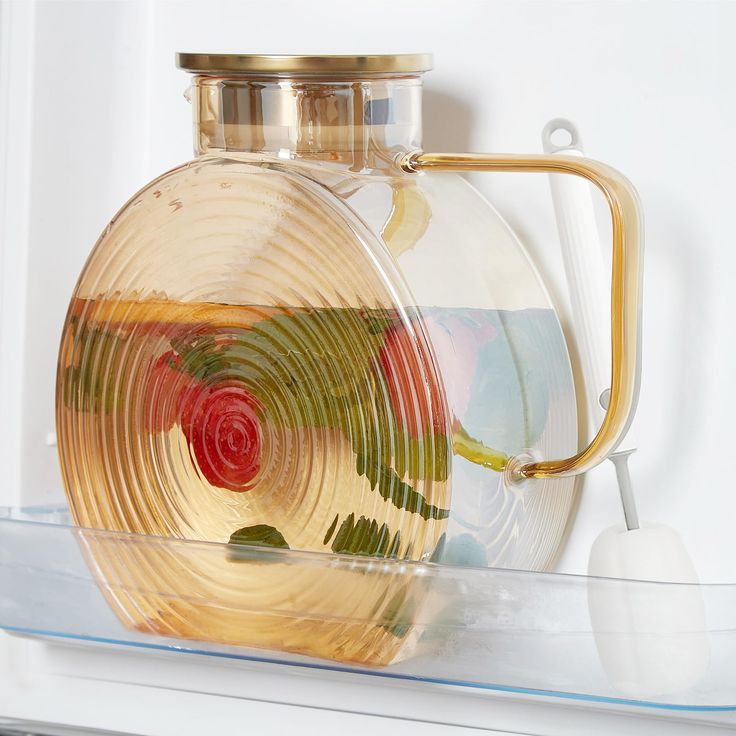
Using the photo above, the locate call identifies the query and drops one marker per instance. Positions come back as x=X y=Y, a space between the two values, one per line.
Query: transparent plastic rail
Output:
x=485 y=628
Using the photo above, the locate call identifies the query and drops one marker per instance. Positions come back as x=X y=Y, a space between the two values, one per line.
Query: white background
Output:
x=92 y=108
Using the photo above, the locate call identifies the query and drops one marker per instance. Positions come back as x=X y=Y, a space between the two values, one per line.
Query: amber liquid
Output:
x=353 y=445
x=318 y=380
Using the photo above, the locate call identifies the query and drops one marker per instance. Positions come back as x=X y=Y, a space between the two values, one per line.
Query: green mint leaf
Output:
x=98 y=356
x=365 y=537
x=393 y=489
x=331 y=530
x=260 y=535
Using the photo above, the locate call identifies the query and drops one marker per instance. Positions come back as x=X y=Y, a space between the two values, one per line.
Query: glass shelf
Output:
x=493 y=629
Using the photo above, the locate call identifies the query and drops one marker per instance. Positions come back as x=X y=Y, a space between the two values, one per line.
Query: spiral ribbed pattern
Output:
x=222 y=366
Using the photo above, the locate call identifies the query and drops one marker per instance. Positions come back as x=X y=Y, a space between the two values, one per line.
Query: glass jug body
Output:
x=307 y=340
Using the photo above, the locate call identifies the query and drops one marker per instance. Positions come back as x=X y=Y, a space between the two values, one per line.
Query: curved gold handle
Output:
x=626 y=281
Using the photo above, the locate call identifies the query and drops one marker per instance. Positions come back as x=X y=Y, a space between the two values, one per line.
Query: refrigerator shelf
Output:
x=491 y=629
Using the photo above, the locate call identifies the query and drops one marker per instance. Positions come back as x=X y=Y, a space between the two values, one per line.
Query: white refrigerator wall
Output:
x=92 y=108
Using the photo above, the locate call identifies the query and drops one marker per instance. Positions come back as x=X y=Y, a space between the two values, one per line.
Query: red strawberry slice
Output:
x=223 y=426
x=412 y=382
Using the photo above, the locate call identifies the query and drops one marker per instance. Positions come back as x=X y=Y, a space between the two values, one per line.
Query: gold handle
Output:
x=626 y=280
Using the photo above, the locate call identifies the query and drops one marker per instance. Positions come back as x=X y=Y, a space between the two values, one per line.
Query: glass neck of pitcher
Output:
x=358 y=124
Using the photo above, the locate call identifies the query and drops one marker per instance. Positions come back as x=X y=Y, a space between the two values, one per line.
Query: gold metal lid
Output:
x=289 y=64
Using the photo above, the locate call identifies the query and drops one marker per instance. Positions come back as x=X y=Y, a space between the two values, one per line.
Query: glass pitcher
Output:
x=306 y=339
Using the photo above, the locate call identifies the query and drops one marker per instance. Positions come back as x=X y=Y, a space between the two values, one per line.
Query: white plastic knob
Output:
x=650 y=635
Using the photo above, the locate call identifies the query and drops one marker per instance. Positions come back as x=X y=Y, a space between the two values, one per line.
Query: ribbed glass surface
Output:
x=246 y=360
